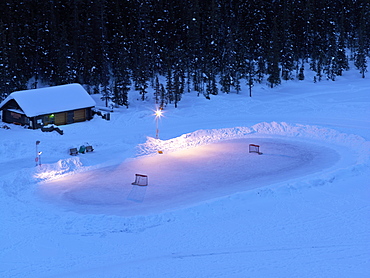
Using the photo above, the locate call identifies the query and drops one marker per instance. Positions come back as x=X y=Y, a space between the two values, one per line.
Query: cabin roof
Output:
x=51 y=99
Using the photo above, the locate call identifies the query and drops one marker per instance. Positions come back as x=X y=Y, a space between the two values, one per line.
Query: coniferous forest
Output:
x=175 y=46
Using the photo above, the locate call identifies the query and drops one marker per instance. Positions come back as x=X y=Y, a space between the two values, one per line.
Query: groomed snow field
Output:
x=211 y=208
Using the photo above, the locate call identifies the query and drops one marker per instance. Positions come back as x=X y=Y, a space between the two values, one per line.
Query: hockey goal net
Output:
x=141 y=180
x=253 y=148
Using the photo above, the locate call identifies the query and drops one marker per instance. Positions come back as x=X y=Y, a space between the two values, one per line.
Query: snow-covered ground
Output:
x=211 y=209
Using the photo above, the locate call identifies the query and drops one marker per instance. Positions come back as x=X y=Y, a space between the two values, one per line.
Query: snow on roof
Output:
x=51 y=99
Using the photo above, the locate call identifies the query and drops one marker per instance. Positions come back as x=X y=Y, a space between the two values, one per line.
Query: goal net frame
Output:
x=141 y=180
x=253 y=148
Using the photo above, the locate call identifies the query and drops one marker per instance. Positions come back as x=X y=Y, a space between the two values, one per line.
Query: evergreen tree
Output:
x=236 y=82
x=157 y=90
x=106 y=93
x=273 y=57
x=4 y=64
x=341 y=58
x=360 y=61
x=363 y=41
x=178 y=85
x=163 y=97
x=169 y=86
x=121 y=89
x=286 y=36
x=225 y=82
x=301 y=72
x=250 y=75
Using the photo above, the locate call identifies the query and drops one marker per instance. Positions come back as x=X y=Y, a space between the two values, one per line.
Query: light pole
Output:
x=37 y=153
x=158 y=114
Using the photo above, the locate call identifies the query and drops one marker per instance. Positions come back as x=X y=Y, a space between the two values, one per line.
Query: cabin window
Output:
x=49 y=119
x=15 y=115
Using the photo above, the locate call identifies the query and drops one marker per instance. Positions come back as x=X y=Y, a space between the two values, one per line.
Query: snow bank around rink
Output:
x=343 y=143
x=61 y=168
x=17 y=181
x=298 y=131
x=347 y=145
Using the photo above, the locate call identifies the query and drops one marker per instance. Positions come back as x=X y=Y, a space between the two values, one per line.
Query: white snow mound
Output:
x=298 y=131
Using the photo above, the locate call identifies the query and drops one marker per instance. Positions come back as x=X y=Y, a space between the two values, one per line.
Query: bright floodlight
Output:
x=158 y=113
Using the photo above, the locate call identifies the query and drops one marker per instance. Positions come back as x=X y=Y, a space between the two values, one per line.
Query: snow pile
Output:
x=19 y=180
x=191 y=140
x=311 y=132
x=204 y=137
x=57 y=170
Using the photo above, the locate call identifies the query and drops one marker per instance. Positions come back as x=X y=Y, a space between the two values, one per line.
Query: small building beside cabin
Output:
x=58 y=105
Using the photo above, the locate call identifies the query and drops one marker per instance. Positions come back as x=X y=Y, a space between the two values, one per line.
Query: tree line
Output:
x=209 y=46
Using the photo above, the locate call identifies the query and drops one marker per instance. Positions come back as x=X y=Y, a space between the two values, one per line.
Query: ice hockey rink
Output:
x=182 y=178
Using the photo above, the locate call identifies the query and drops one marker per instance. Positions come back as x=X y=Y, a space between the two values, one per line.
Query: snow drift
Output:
x=202 y=137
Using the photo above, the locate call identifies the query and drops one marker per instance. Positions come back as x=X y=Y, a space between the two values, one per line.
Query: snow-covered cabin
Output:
x=57 y=105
